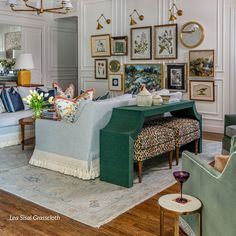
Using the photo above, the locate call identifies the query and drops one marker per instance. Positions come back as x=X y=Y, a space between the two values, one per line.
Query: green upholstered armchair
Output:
x=229 y=132
x=217 y=192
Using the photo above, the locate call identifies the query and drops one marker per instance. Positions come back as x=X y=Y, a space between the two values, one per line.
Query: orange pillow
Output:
x=220 y=162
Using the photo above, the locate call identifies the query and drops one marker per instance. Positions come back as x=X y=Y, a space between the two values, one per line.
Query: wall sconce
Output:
x=99 y=26
x=174 y=10
x=132 y=21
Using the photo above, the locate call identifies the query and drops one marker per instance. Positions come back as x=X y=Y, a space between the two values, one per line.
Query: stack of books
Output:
x=49 y=114
x=7 y=84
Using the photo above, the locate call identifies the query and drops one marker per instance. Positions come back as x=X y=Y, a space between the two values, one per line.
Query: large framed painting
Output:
x=201 y=63
x=166 y=41
x=119 y=46
x=177 y=77
x=202 y=90
x=115 y=82
x=101 y=70
x=149 y=74
x=12 y=43
x=101 y=45
x=141 y=43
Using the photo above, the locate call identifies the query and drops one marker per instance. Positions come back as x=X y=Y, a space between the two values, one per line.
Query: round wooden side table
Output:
x=23 y=122
x=167 y=203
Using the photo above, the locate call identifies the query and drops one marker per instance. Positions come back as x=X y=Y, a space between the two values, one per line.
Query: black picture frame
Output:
x=177 y=77
x=103 y=64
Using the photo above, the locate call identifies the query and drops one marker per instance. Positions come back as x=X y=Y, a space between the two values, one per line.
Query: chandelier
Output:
x=64 y=6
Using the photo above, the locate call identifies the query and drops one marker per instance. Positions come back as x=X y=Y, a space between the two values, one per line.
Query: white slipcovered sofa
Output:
x=73 y=148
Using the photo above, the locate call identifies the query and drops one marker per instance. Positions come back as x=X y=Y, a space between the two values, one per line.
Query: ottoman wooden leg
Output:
x=170 y=159
x=177 y=150
x=196 y=147
x=140 y=170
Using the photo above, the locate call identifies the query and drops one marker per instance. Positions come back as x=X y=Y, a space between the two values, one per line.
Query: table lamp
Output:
x=24 y=62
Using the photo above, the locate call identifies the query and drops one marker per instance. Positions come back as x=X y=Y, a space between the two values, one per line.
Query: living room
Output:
x=127 y=119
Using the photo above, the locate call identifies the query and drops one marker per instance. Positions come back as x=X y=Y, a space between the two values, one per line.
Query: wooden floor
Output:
x=141 y=220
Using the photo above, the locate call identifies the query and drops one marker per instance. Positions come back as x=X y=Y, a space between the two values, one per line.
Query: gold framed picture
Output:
x=201 y=63
x=202 y=90
x=119 y=46
x=116 y=82
x=101 y=45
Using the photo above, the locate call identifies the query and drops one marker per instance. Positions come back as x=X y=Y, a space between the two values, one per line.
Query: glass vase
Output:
x=37 y=113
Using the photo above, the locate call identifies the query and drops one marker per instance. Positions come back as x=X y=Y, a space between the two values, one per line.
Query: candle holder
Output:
x=181 y=177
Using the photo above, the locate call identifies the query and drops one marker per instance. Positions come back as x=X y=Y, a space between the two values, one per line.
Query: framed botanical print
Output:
x=141 y=43
x=101 y=45
x=177 y=77
x=100 y=68
x=119 y=46
x=115 y=82
x=166 y=41
x=137 y=74
x=201 y=63
x=202 y=90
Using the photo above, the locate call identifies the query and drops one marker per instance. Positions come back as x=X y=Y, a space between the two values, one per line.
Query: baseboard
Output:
x=213 y=129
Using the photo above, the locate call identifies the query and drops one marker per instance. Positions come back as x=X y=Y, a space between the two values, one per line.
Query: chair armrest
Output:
x=229 y=120
x=190 y=160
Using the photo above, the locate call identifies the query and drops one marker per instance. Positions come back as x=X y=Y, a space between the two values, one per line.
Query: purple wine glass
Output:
x=181 y=177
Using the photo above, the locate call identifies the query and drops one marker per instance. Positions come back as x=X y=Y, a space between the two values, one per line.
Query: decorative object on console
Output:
x=166 y=41
x=157 y=100
x=141 y=43
x=173 y=9
x=177 y=77
x=64 y=7
x=12 y=100
x=116 y=82
x=132 y=21
x=201 y=63
x=24 y=62
x=68 y=109
x=181 y=177
x=119 y=46
x=7 y=65
x=144 y=98
x=114 y=66
x=37 y=102
x=99 y=26
x=68 y=93
x=100 y=68
x=149 y=74
x=202 y=90
x=165 y=98
x=192 y=34
x=101 y=45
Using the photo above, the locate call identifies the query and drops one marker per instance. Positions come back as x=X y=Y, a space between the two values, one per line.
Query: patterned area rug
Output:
x=91 y=202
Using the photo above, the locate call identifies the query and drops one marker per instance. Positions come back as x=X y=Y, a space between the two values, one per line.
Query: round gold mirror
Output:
x=192 y=34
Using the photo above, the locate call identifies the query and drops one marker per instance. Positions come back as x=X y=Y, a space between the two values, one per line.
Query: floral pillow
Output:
x=67 y=109
x=68 y=93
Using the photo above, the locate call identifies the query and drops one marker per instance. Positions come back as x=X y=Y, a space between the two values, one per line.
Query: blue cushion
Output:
x=51 y=93
x=12 y=100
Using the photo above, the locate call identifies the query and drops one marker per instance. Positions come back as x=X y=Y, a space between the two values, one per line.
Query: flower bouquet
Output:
x=37 y=102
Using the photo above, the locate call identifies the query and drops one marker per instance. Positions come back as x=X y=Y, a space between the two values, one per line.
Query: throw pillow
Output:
x=12 y=100
x=2 y=108
x=67 y=109
x=51 y=92
x=68 y=93
x=220 y=162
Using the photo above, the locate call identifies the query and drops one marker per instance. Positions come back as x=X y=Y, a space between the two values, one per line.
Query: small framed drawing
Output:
x=201 y=63
x=201 y=90
x=177 y=77
x=116 y=82
x=101 y=45
x=141 y=43
x=166 y=41
x=119 y=46
x=100 y=68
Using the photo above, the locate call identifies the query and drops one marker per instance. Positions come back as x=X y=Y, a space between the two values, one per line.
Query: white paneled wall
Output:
x=216 y=16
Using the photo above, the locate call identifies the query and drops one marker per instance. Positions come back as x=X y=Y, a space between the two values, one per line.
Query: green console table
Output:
x=117 y=138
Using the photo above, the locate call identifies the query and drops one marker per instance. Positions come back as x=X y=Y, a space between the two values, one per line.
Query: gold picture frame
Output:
x=116 y=82
x=101 y=45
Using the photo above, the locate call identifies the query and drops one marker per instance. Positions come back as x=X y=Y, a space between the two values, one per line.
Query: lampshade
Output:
x=24 y=61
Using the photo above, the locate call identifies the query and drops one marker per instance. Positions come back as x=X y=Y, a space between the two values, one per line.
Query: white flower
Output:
x=29 y=97
x=31 y=92
x=46 y=95
x=41 y=94
x=35 y=92
x=25 y=99
x=39 y=97
x=50 y=100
